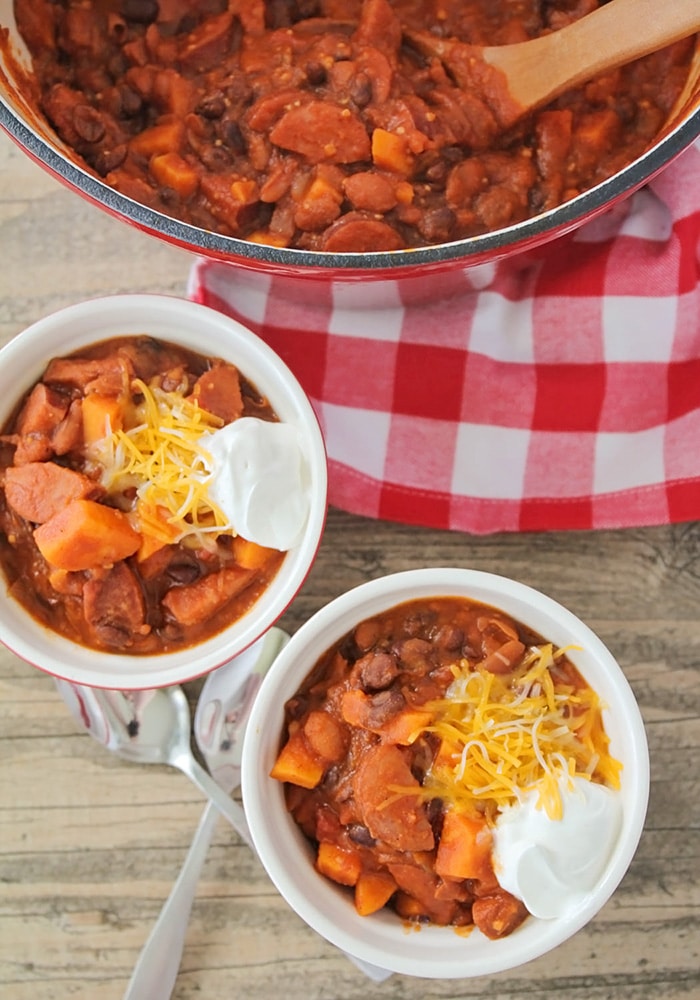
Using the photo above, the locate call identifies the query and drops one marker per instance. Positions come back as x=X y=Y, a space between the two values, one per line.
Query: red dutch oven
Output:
x=36 y=138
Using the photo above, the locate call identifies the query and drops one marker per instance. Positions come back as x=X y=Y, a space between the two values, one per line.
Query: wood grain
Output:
x=90 y=845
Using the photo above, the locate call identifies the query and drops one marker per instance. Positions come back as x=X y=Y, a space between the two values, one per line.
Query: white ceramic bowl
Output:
x=381 y=939
x=22 y=362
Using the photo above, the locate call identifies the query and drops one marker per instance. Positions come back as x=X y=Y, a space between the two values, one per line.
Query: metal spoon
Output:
x=538 y=70
x=149 y=727
x=219 y=723
x=219 y=726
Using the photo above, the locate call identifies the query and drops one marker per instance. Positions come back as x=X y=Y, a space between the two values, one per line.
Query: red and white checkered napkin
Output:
x=556 y=389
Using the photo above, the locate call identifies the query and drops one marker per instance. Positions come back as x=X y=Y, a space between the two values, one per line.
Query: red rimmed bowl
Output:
x=204 y=331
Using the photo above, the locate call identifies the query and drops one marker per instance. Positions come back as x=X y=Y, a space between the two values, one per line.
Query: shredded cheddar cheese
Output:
x=503 y=736
x=163 y=456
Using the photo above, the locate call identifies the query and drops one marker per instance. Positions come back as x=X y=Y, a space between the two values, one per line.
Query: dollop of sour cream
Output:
x=552 y=864
x=260 y=480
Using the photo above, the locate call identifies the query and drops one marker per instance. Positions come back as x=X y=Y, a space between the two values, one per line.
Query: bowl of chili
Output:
x=290 y=139
x=163 y=490
x=415 y=761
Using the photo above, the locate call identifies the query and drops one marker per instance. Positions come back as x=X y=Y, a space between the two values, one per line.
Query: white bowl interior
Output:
x=23 y=360
x=382 y=939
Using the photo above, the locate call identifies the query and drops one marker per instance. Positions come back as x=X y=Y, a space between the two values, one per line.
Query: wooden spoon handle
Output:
x=617 y=33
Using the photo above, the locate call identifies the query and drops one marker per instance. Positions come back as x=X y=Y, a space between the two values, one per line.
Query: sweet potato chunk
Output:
x=174 y=172
x=85 y=535
x=338 y=863
x=250 y=555
x=373 y=890
x=465 y=848
x=39 y=490
x=391 y=152
x=102 y=415
x=165 y=137
x=297 y=764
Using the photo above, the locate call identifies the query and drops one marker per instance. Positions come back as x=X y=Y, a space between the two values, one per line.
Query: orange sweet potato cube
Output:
x=85 y=535
x=373 y=890
x=165 y=137
x=102 y=415
x=465 y=848
x=338 y=863
x=250 y=555
x=390 y=152
x=297 y=764
x=172 y=171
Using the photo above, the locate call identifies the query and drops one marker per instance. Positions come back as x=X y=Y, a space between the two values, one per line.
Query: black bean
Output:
x=183 y=573
x=215 y=158
x=141 y=11
x=131 y=101
x=359 y=834
x=212 y=105
x=232 y=137
x=361 y=90
x=315 y=73
x=106 y=160
x=88 y=123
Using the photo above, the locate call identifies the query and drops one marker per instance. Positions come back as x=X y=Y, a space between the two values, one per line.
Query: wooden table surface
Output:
x=90 y=845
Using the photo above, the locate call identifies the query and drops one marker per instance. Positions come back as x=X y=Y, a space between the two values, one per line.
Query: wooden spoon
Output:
x=536 y=71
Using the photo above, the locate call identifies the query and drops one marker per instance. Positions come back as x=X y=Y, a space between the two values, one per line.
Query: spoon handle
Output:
x=155 y=972
x=227 y=806
x=542 y=68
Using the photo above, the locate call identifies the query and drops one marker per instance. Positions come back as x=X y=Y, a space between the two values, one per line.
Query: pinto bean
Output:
x=370 y=192
x=376 y=670
x=415 y=654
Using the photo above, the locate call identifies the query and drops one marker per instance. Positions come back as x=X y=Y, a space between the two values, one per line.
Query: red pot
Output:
x=33 y=134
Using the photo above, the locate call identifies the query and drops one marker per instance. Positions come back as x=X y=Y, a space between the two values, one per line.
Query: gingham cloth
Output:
x=557 y=389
